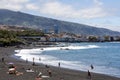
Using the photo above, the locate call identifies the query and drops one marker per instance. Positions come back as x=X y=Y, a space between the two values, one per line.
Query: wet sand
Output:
x=56 y=72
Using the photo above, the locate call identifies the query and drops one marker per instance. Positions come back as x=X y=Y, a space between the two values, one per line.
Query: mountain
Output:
x=8 y=17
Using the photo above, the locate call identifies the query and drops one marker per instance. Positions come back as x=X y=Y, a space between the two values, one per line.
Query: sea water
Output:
x=105 y=57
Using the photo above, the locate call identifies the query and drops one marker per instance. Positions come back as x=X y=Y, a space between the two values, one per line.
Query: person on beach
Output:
x=39 y=59
x=46 y=66
x=3 y=59
x=89 y=75
x=33 y=61
x=12 y=69
x=38 y=78
x=26 y=60
x=92 y=66
x=59 y=64
x=50 y=73
x=40 y=74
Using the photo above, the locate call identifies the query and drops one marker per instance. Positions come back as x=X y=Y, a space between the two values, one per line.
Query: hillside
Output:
x=8 y=17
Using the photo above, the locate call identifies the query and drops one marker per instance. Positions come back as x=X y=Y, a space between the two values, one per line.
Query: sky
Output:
x=98 y=13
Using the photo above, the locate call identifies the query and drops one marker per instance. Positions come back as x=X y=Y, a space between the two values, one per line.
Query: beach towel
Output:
x=19 y=73
x=45 y=76
x=29 y=70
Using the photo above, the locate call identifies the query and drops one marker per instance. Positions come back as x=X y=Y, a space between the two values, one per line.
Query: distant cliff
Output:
x=8 y=17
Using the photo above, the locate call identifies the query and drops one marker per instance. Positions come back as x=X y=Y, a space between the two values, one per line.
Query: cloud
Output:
x=107 y=26
x=62 y=10
x=55 y=8
x=31 y=6
x=12 y=4
x=16 y=1
x=97 y=2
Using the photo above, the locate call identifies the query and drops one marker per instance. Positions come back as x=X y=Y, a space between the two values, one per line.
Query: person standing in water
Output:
x=26 y=60
x=33 y=61
x=59 y=64
x=39 y=59
x=92 y=66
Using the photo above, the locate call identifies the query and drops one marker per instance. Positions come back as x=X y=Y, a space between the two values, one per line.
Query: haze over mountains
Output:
x=8 y=17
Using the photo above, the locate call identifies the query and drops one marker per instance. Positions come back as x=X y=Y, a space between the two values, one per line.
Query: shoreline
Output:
x=58 y=73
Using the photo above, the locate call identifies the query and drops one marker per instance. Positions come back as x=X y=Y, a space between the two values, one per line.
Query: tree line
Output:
x=11 y=38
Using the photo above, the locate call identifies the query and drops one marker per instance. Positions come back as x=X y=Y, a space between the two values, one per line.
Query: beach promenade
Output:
x=28 y=71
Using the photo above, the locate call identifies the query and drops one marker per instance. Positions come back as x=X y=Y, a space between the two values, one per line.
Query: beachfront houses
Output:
x=67 y=37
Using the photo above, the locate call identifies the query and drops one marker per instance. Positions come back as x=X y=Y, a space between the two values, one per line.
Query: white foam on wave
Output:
x=30 y=53
x=54 y=48
x=27 y=53
x=71 y=47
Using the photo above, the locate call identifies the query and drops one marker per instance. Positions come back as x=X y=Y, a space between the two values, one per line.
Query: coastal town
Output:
x=49 y=36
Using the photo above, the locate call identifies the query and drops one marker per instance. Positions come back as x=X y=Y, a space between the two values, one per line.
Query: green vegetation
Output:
x=8 y=38
x=11 y=38
x=93 y=38
x=29 y=33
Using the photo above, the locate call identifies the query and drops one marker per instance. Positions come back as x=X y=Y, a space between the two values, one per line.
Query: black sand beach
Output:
x=56 y=72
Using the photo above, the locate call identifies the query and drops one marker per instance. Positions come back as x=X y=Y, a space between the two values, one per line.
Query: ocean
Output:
x=105 y=57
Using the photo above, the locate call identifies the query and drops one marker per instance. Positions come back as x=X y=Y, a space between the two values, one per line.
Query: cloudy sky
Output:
x=99 y=13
